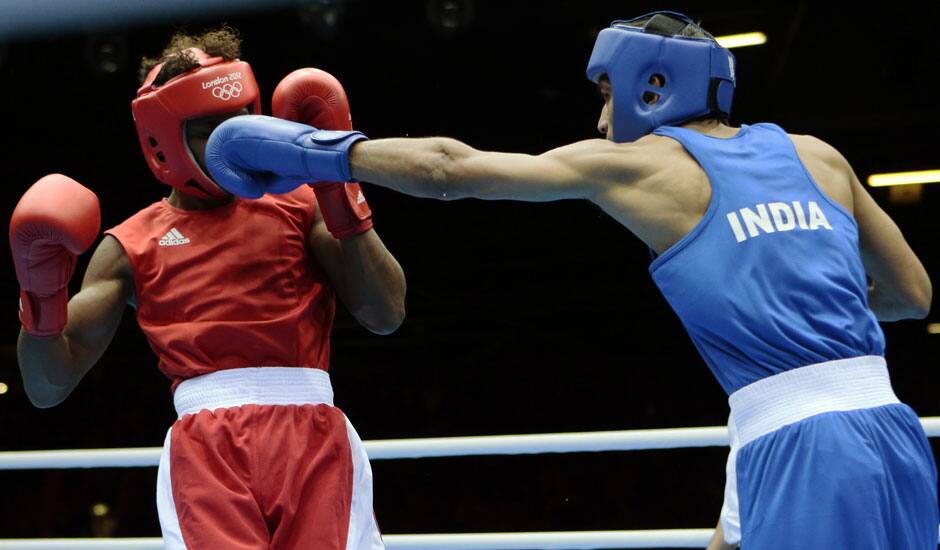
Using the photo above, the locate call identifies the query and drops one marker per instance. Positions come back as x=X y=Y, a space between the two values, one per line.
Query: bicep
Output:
x=95 y=311
x=885 y=252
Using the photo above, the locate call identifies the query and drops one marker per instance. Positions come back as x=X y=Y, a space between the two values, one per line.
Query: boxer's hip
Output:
x=832 y=440
x=262 y=457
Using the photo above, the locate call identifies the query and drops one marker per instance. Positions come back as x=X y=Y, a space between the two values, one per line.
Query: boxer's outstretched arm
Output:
x=53 y=366
x=367 y=278
x=443 y=168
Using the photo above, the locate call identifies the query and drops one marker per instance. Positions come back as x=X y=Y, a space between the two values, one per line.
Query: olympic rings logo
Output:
x=227 y=91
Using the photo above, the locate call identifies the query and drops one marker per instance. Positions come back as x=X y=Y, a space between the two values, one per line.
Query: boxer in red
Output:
x=236 y=298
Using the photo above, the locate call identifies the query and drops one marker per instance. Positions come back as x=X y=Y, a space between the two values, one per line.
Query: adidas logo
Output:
x=173 y=238
x=360 y=198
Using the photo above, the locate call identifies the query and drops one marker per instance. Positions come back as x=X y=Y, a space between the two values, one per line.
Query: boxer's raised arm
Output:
x=52 y=366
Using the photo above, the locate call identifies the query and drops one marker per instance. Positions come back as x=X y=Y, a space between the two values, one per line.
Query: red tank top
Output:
x=230 y=287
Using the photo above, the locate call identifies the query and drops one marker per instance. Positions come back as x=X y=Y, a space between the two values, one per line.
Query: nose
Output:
x=602 y=123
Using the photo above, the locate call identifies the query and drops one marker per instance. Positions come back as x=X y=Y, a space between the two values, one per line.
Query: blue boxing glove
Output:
x=251 y=155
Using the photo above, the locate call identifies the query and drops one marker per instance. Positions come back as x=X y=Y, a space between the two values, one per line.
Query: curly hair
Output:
x=223 y=42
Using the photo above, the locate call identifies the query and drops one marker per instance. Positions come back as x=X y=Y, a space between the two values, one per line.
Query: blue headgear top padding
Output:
x=698 y=74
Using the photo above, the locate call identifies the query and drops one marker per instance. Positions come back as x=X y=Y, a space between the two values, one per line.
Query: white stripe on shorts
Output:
x=166 y=507
x=363 y=533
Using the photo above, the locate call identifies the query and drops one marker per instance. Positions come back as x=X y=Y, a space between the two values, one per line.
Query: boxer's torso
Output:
x=229 y=287
x=758 y=249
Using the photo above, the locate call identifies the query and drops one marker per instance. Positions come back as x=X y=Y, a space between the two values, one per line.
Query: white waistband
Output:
x=253 y=386
x=843 y=385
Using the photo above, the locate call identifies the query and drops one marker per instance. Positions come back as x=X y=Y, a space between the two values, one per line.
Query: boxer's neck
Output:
x=185 y=201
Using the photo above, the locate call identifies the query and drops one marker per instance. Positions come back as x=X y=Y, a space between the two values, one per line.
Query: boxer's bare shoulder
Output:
x=667 y=195
x=827 y=166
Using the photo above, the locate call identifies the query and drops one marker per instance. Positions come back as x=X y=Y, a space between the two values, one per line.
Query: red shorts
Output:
x=261 y=459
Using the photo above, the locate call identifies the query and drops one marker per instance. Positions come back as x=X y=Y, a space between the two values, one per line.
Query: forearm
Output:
x=48 y=369
x=421 y=167
x=374 y=283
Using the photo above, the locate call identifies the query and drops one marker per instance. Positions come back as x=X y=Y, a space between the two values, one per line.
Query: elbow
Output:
x=387 y=323
x=45 y=404
x=444 y=171
x=43 y=392
x=919 y=299
x=913 y=308
x=45 y=399
x=910 y=302
x=382 y=319
x=921 y=306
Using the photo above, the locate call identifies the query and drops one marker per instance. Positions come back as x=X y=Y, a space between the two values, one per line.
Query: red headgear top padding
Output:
x=160 y=112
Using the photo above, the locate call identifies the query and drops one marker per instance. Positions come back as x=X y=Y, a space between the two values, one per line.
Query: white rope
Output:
x=664 y=538
x=630 y=440
x=569 y=540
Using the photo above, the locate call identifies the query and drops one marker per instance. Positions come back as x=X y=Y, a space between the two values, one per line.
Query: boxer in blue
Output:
x=765 y=245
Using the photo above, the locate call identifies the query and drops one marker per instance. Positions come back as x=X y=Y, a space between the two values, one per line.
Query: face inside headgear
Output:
x=215 y=88
x=660 y=76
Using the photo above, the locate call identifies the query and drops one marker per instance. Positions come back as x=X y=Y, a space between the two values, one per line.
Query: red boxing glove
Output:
x=315 y=97
x=55 y=220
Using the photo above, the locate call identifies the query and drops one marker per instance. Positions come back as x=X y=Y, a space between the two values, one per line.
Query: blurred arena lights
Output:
x=106 y=54
x=21 y=18
x=323 y=16
x=933 y=328
x=742 y=40
x=3 y=388
x=100 y=509
x=904 y=178
x=449 y=17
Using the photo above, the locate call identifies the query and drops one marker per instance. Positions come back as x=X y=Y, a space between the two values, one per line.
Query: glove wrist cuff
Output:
x=44 y=315
x=327 y=157
x=344 y=209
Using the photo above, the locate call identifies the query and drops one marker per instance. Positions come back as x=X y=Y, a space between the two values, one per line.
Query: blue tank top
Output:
x=771 y=278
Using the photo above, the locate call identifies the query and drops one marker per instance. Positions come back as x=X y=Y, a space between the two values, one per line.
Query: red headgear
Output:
x=216 y=87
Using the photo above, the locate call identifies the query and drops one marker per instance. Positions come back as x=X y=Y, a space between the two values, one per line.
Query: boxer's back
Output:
x=768 y=277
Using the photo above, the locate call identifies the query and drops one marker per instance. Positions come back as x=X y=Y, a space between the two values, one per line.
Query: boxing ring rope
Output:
x=387 y=449
x=625 y=440
x=558 y=540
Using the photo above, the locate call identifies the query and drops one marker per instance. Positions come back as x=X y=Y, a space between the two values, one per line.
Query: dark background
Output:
x=522 y=318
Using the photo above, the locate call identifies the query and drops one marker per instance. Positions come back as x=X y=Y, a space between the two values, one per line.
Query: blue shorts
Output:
x=826 y=457
x=861 y=479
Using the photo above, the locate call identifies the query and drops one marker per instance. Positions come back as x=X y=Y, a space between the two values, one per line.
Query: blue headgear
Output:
x=697 y=75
